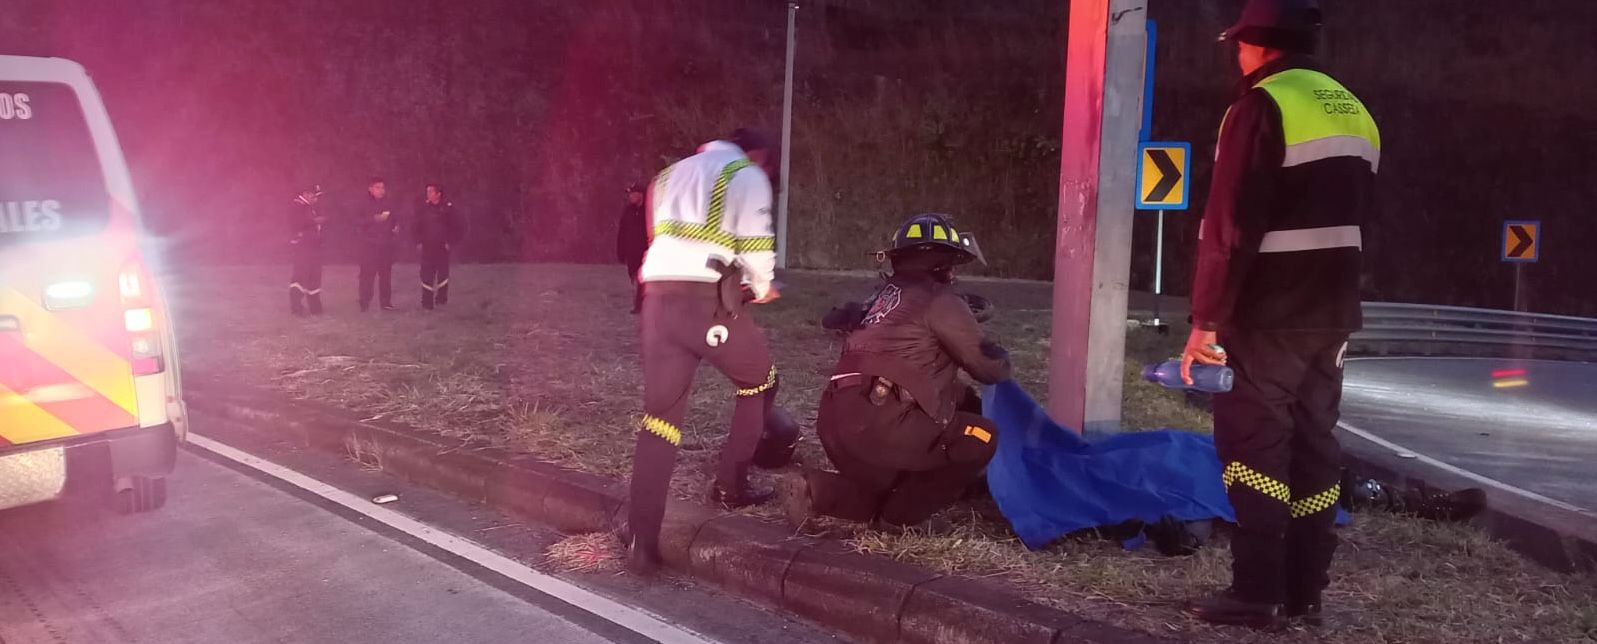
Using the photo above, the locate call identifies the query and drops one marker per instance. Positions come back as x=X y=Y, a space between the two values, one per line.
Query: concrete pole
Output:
x=1092 y=263
x=787 y=135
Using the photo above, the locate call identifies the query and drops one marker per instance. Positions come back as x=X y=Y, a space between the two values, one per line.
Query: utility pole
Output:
x=1092 y=262
x=787 y=135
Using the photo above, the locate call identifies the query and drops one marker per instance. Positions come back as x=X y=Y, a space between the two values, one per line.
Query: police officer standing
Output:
x=1275 y=296
x=377 y=227
x=305 y=283
x=906 y=436
x=712 y=235
x=436 y=229
x=632 y=241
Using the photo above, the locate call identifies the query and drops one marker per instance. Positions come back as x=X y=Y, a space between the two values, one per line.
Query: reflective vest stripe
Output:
x=1332 y=147
x=1303 y=239
x=718 y=193
x=711 y=230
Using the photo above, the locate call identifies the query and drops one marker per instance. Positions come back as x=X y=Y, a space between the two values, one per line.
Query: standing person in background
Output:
x=377 y=227
x=632 y=241
x=305 y=285
x=436 y=228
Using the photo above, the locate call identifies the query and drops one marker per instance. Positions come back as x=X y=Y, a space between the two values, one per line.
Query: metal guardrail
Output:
x=1391 y=328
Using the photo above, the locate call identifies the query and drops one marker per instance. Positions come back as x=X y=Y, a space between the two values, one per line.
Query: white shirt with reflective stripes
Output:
x=683 y=194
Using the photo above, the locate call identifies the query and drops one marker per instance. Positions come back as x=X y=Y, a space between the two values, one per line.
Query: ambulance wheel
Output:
x=140 y=494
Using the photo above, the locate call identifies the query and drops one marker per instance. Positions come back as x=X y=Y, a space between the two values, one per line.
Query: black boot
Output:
x=641 y=560
x=1227 y=608
x=1306 y=612
x=742 y=498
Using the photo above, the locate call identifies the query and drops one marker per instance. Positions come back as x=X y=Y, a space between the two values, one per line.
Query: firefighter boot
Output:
x=1227 y=608
x=746 y=496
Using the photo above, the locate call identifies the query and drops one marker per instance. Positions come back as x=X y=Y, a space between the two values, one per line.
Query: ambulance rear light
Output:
x=140 y=320
x=147 y=359
x=68 y=295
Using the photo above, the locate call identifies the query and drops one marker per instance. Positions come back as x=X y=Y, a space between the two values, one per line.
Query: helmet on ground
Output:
x=1288 y=25
x=933 y=231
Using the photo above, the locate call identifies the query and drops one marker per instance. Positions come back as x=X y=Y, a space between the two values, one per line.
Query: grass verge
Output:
x=544 y=359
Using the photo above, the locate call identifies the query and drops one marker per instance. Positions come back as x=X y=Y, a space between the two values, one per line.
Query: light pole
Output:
x=787 y=135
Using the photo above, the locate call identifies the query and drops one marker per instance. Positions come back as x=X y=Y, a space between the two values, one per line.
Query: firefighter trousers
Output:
x=305 y=284
x=376 y=269
x=682 y=326
x=895 y=463
x=434 y=277
x=1282 y=464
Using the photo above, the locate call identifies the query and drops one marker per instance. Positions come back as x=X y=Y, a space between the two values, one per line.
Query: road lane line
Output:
x=633 y=619
x=1484 y=480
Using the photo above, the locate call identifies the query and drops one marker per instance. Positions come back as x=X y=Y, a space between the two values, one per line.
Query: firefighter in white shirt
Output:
x=712 y=249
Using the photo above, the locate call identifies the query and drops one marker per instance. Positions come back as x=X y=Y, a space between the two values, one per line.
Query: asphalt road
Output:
x=238 y=556
x=1471 y=413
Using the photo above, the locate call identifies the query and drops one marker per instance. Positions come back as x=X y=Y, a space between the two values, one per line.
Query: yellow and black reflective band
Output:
x=1317 y=503
x=1263 y=484
x=754 y=244
x=659 y=427
x=695 y=232
x=770 y=383
x=428 y=287
x=718 y=193
x=295 y=286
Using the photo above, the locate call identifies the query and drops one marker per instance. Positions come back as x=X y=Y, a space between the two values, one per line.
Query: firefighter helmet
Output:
x=934 y=231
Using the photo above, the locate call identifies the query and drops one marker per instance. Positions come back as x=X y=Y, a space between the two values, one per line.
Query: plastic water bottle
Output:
x=1215 y=379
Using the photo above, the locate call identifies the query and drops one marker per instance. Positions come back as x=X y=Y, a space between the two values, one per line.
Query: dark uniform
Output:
x=436 y=228
x=377 y=234
x=713 y=230
x=1278 y=279
x=906 y=436
x=632 y=242
x=305 y=283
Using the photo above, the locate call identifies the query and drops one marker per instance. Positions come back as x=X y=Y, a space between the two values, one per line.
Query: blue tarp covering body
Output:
x=1050 y=482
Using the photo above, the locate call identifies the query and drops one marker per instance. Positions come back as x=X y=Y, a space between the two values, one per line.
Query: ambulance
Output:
x=90 y=395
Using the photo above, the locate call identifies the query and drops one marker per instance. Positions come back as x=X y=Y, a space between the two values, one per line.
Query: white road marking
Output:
x=633 y=619
x=1478 y=478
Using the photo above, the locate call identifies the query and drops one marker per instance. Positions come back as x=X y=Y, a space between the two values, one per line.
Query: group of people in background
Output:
x=434 y=225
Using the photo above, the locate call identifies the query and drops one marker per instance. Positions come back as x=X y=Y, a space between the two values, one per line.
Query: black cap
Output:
x=1288 y=25
x=749 y=139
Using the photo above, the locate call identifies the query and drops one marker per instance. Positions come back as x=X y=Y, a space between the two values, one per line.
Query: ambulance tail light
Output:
x=139 y=319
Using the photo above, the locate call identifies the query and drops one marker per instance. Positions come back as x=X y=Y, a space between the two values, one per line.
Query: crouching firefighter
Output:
x=712 y=236
x=905 y=435
x=305 y=243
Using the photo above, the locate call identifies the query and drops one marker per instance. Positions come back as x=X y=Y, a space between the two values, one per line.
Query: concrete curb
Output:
x=871 y=598
x=1554 y=537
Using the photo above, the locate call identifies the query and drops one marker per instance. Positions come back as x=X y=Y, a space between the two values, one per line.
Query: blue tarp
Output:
x=1050 y=482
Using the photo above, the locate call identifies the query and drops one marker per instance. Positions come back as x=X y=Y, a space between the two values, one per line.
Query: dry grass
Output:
x=543 y=359
x=595 y=552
